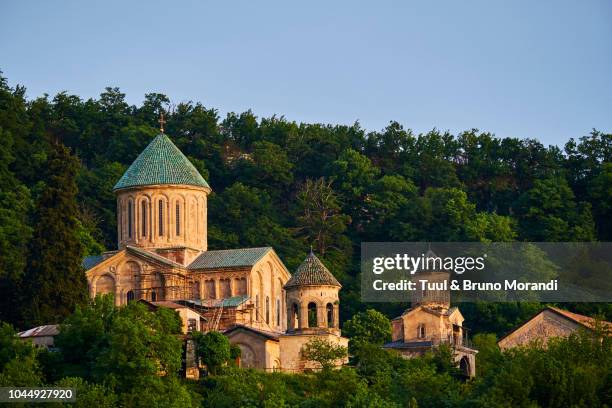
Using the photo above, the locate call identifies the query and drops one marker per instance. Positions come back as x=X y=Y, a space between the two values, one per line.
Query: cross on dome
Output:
x=161 y=121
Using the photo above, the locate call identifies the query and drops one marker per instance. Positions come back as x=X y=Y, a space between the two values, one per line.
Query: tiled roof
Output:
x=233 y=301
x=578 y=318
x=312 y=272
x=168 y=304
x=399 y=344
x=152 y=256
x=90 y=261
x=40 y=331
x=161 y=162
x=228 y=258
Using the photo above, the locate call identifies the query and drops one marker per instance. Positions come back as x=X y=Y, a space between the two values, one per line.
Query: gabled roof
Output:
x=90 y=261
x=152 y=256
x=585 y=321
x=312 y=272
x=433 y=311
x=161 y=162
x=40 y=331
x=229 y=258
x=263 y=333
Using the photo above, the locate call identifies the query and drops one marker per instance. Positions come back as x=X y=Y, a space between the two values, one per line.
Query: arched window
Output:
x=294 y=322
x=143 y=209
x=153 y=296
x=330 y=315
x=130 y=296
x=161 y=217
x=130 y=218
x=257 y=307
x=196 y=290
x=225 y=286
x=278 y=312
x=421 y=332
x=241 y=286
x=267 y=310
x=211 y=292
x=312 y=315
x=178 y=219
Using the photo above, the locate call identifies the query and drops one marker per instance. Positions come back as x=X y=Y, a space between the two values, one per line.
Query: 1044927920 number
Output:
x=34 y=394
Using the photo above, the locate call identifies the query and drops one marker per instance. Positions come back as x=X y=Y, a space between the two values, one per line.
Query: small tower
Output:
x=312 y=313
x=437 y=296
x=312 y=298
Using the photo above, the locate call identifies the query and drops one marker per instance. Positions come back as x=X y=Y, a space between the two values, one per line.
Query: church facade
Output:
x=246 y=293
x=431 y=322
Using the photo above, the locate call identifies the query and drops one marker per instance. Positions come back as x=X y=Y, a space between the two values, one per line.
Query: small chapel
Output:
x=431 y=322
x=248 y=294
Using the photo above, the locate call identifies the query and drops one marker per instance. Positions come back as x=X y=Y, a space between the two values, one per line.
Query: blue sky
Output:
x=539 y=69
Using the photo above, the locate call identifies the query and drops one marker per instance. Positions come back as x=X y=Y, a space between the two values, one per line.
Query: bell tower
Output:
x=437 y=295
x=312 y=298
x=312 y=313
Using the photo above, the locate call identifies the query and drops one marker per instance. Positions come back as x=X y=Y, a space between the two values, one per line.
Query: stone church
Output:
x=247 y=293
x=431 y=322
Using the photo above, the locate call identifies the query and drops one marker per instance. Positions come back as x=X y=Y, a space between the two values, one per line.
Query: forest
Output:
x=294 y=186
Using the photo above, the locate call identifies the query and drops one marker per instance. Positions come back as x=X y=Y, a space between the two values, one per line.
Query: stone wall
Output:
x=542 y=327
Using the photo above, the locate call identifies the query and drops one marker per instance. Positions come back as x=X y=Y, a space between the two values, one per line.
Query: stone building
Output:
x=431 y=322
x=163 y=256
x=312 y=310
x=548 y=323
x=41 y=336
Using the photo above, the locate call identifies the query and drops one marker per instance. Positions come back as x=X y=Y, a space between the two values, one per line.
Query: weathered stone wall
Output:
x=542 y=327
x=291 y=350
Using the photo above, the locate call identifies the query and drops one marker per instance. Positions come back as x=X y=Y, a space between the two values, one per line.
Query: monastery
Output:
x=247 y=293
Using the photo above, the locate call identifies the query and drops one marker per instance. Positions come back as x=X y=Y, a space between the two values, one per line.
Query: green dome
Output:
x=161 y=162
x=312 y=272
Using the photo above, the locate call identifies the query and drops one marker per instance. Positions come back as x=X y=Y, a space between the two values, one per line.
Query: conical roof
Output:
x=161 y=162
x=312 y=272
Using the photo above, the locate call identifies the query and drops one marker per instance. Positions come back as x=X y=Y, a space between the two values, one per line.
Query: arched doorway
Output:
x=130 y=296
x=464 y=366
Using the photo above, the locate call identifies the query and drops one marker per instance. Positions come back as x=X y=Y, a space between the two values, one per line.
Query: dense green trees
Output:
x=323 y=352
x=214 y=350
x=280 y=183
x=131 y=353
x=369 y=327
x=130 y=356
x=55 y=282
